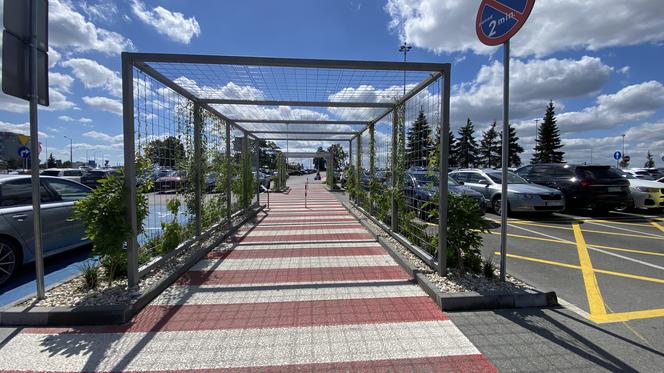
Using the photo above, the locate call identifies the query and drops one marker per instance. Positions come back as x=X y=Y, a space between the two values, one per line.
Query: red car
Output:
x=174 y=181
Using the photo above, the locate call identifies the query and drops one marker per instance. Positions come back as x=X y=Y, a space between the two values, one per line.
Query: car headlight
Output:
x=646 y=189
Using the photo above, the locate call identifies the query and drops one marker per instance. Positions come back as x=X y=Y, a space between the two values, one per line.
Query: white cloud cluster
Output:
x=69 y=29
x=172 y=24
x=101 y=136
x=94 y=75
x=67 y=118
x=104 y=104
x=532 y=85
x=446 y=26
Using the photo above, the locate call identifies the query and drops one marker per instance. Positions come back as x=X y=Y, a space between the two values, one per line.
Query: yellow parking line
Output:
x=626 y=316
x=595 y=300
x=593 y=231
x=572 y=266
x=616 y=222
x=657 y=226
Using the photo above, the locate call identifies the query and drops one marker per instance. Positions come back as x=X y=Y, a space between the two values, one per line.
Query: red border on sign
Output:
x=520 y=21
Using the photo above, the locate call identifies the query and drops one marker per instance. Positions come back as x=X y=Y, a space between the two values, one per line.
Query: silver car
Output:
x=60 y=231
x=522 y=196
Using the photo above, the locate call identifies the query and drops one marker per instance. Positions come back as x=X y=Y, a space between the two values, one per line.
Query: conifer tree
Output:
x=515 y=149
x=466 y=146
x=549 y=144
x=418 y=142
x=490 y=148
x=650 y=161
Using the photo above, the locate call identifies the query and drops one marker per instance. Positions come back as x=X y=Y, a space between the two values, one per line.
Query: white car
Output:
x=645 y=194
x=73 y=174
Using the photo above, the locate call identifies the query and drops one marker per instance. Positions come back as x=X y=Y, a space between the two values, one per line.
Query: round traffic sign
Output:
x=24 y=152
x=617 y=155
x=498 y=20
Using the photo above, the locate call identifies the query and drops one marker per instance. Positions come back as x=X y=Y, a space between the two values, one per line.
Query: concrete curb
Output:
x=468 y=301
x=107 y=314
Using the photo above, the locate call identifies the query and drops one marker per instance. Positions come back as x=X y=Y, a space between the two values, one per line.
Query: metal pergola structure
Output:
x=288 y=99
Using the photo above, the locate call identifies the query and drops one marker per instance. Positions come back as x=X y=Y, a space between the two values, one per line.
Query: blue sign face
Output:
x=617 y=155
x=498 y=20
x=24 y=152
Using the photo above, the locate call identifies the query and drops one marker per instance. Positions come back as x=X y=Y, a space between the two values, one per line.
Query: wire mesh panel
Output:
x=421 y=116
x=214 y=168
x=164 y=128
x=239 y=198
x=381 y=188
x=364 y=171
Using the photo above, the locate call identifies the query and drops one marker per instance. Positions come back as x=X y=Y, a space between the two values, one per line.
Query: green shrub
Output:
x=172 y=231
x=488 y=268
x=90 y=272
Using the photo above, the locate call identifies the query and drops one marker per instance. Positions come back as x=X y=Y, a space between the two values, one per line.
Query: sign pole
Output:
x=504 y=206
x=34 y=156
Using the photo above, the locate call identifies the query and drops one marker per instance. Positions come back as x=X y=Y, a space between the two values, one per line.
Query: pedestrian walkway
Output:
x=304 y=289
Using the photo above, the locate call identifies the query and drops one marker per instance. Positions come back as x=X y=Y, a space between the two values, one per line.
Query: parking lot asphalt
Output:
x=607 y=269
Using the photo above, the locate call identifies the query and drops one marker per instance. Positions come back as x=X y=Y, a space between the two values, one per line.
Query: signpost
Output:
x=24 y=152
x=617 y=155
x=497 y=21
x=25 y=75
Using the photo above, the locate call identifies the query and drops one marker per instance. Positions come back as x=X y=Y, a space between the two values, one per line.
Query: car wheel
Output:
x=496 y=205
x=9 y=260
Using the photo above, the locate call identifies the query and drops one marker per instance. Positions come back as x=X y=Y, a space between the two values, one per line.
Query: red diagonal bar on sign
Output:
x=505 y=9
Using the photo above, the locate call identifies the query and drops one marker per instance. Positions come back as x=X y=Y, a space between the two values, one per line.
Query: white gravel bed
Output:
x=453 y=282
x=75 y=293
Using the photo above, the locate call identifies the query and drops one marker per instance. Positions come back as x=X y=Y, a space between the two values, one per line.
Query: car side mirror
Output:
x=483 y=182
x=461 y=182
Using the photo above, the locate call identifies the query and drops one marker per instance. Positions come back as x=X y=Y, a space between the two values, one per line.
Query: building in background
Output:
x=10 y=143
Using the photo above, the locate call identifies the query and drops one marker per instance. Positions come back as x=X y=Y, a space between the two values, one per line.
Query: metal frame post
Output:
x=372 y=162
x=130 y=166
x=34 y=156
x=229 y=176
x=258 y=166
x=393 y=161
x=444 y=169
x=198 y=161
x=358 y=164
x=245 y=172
x=505 y=161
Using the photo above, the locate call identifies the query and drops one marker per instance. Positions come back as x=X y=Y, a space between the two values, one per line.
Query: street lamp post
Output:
x=405 y=48
x=71 y=151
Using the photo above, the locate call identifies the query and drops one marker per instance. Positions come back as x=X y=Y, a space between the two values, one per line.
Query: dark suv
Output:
x=599 y=188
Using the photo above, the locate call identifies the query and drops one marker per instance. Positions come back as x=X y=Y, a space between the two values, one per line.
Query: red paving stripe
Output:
x=298 y=228
x=190 y=317
x=292 y=275
x=291 y=253
x=454 y=363
x=304 y=237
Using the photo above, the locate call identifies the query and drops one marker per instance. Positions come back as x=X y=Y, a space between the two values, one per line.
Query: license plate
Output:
x=615 y=189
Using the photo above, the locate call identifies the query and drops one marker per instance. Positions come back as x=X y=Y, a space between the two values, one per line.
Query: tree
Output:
x=650 y=161
x=338 y=153
x=50 y=162
x=466 y=146
x=515 y=149
x=165 y=153
x=268 y=154
x=549 y=143
x=490 y=148
x=434 y=155
x=418 y=142
x=319 y=162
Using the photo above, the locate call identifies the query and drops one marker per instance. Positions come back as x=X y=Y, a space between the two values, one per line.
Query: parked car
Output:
x=73 y=174
x=172 y=182
x=644 y=194
x=91 y=178
x=599 y=188
x=639 y=174
x=420 y=185
x=522 y=196
x=654 y=173
x=211 y=181
x=59 y=231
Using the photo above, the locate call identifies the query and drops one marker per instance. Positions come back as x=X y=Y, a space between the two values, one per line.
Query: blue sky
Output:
x=603 y=71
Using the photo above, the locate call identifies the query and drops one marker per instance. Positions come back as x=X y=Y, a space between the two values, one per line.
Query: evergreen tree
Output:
x=549 y=144
x=490 y=148
x=319 y=162
x=650 y=161
x=466 y=146
x=515 y=149
x=51 y=163
x=434 y=154
x=418 y=142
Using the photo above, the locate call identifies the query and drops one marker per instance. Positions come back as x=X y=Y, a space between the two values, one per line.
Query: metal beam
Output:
x=305 y=133
x=224 y=101
x=285 y=62
x=299 y=121
x=300 y=139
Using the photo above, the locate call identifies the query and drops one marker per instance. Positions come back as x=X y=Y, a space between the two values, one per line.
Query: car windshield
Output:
x=426 y=179
x=512 y=178
x=50 y=173
x=596 y=173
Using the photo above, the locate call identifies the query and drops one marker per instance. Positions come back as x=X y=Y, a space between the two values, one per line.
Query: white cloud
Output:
x=67 y=118
x=69 y=29
x=100 y=136
x=20 y=128
x=60 y=81
x=449 y=25
x=100 y=11
x=104 y=104
x=532 y=85
x=172 y=24
x=94 y=75
x=85 y=120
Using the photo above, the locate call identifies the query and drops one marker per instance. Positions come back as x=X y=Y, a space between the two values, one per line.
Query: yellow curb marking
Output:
x=657 y=226
x=645 y=235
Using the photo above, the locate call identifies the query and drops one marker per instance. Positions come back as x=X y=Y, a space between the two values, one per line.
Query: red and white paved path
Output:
x=306 y=289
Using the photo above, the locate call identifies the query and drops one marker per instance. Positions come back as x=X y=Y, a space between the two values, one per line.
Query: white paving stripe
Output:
x=320 y=231
x=270 y=218
x=183 y=294
x=306 y=246
x=234 y=348
x=293 y=262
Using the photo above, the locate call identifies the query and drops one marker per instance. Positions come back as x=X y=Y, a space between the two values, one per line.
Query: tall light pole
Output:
x=405 y=48
x=71 y=151
x=623 y=147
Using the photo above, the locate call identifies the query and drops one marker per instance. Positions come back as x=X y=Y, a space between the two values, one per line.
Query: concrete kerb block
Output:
x=107 y=314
